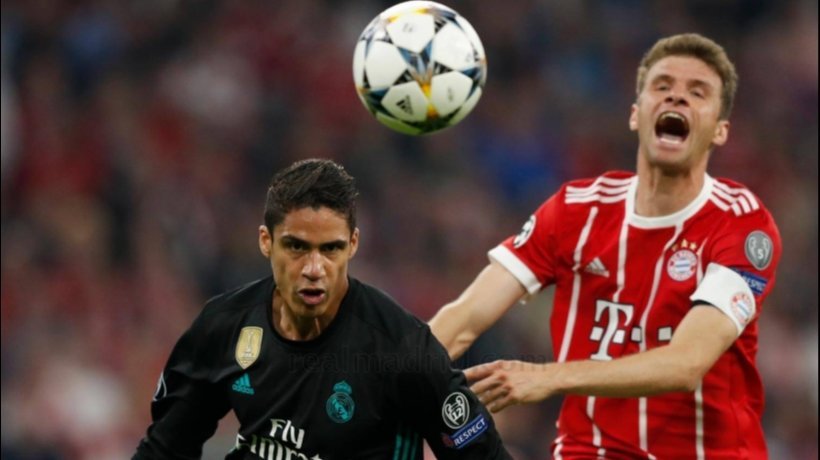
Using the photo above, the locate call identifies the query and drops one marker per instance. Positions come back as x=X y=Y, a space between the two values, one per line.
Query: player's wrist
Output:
x=558 y=379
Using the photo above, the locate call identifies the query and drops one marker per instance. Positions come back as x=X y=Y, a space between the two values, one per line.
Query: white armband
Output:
x=726 y=290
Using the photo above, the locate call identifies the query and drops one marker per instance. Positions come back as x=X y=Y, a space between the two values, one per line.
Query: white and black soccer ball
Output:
x=419 y=67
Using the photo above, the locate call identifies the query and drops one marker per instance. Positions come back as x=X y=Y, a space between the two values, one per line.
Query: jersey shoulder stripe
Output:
x=733 y=198
x=610 y=187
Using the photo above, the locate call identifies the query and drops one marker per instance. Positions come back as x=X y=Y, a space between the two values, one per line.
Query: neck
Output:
x=661 y=193
x=295 y=327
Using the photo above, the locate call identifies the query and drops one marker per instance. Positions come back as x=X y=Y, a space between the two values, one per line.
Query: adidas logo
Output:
x=596 y=267
x=243 y=385
x=405 y=105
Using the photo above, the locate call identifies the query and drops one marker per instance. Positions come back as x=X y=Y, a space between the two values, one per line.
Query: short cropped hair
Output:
x=699 y=47
x=312 y=183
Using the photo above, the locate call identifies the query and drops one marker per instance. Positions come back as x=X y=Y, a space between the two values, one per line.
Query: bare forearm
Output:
x=660 y=370
x=490 y=295
x=445 y=327
x=678 y=366
x=503 y=383
x=703 y=335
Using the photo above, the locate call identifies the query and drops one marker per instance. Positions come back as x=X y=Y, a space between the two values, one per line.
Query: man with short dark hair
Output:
x=315 y=364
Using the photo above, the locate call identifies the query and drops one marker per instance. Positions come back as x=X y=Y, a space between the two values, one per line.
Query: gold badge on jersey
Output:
x=248 y=346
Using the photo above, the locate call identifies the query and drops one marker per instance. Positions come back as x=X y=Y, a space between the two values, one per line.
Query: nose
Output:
x=676 y=97
x=313 y=268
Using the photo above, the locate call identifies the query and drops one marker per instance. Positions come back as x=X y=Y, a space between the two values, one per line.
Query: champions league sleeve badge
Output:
x=340 y=406
x=759 y=249
x=525 y=233
x=456 y=410
x=162 y=389
x=248 y=346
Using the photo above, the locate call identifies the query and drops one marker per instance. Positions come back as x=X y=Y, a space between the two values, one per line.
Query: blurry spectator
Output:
x=136 y=136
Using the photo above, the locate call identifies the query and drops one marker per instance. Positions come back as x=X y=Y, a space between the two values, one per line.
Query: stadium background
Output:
x=138 y=138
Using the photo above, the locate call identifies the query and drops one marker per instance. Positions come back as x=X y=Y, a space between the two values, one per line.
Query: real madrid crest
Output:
x=340 y=405
x=683 y=263
x=248 y=346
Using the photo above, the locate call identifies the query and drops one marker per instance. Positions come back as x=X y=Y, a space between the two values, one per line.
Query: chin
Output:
x=669 y=162
x=672 y=167
x=310 y=310
x=315 y=310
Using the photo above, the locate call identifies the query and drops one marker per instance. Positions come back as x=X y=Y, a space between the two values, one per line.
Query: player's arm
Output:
x=740 y=273
x=437 y=403
x=490 y=295
x=181 y=425
x=701 y=338
x=520 y=265
x=723 y=305
x=186 y=407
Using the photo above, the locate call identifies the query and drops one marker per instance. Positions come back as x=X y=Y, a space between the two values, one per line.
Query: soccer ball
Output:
x=419 y=67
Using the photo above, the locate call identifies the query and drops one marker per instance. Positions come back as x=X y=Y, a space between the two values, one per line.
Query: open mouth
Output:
x=312 y=296
x=672 y=128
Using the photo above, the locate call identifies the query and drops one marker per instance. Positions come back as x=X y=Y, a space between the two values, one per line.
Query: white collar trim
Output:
x=669 y=220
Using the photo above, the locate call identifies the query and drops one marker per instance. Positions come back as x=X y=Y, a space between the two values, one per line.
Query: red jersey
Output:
x=622 y=285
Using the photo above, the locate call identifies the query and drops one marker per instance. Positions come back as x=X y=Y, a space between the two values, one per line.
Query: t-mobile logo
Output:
x=614 y=331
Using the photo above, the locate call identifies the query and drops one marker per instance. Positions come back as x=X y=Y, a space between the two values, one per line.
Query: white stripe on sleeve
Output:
x=513 y=264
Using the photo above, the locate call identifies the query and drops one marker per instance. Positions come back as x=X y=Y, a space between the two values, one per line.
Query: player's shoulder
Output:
x=609 y=187
x=608 y=178
x=215 y=325
x=738 y=202
x=232 y=302
x=742 y=220
x=383 y=314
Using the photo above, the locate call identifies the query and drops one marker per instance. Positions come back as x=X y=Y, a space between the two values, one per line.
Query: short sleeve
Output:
x=530 y=255
x=741 y=267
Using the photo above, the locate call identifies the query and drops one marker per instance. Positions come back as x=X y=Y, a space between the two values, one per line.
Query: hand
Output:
x=503 y=383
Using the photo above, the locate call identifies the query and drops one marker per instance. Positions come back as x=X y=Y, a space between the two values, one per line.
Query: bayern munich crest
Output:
x=743 y=307
x=682 y=265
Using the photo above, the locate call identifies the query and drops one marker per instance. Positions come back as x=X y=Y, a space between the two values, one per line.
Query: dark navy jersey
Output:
x=371 y=386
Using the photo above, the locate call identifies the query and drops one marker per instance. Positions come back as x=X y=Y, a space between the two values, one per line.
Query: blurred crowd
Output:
x=138 y=138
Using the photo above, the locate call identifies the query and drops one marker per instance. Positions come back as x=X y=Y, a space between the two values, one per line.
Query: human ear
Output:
x=721 y=133
x=265 y=241
x=633 y=117
x=354 y=242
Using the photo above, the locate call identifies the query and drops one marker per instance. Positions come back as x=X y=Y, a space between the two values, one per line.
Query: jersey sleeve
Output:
x=530 y=255
x=740 y=271
x=187 y=406
x=440 y=406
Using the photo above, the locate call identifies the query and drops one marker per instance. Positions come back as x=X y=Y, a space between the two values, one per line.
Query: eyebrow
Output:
x=289 y=239
x=696 y=82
